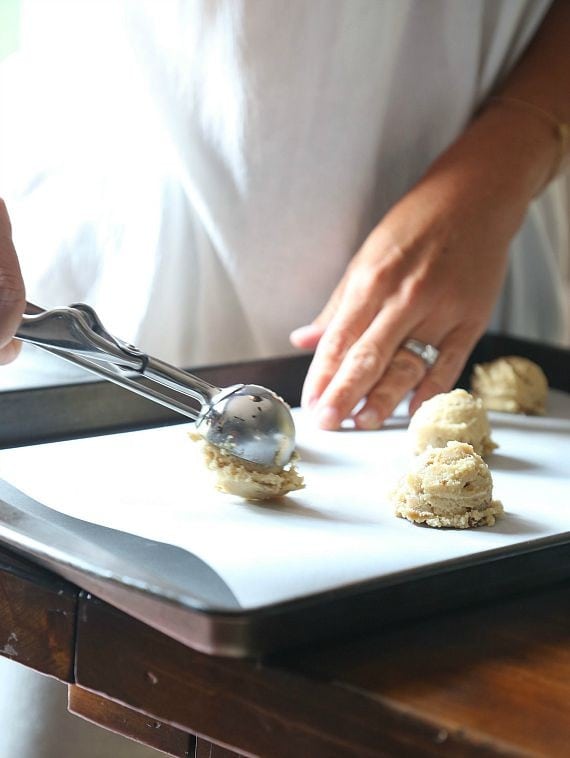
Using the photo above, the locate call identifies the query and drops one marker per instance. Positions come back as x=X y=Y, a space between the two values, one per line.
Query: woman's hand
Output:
x=431 y=270
x=12 y=294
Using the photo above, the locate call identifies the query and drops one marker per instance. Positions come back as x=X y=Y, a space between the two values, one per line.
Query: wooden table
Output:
x=490 y=680
x=487 y=680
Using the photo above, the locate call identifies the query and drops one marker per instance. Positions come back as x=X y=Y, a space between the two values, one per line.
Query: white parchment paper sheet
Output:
x=339 y=530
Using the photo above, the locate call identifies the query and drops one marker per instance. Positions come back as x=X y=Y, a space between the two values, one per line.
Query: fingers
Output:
x=454 y=350
x=359 y=356
x=332 y=353
x=12 y=295
x=363 y=364
x=388 y=379
x=355 y=303
x=405 y=372
x=307 y=337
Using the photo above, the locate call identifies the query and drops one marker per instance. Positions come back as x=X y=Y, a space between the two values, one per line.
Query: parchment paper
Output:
x=339 y=530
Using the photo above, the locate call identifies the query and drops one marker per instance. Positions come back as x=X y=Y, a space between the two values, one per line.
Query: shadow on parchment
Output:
x=501 y=462
x=288 y=506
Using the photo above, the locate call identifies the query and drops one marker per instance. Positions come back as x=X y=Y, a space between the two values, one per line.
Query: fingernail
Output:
x=301 y=331
x=368 y=419
x=328 y=418
x=308 y=401
x=311 y=402
x=305 y=336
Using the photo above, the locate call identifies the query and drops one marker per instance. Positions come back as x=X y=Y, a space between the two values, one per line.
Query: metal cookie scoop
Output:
x=247 y=420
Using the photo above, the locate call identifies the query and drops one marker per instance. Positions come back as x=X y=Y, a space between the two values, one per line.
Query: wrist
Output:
x=559 y=130
x=515 y=150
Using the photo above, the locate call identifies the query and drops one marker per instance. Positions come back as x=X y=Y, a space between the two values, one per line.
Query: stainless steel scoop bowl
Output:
x=250 y=422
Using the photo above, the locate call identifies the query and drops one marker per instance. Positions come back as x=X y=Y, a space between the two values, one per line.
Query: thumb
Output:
x=12 y=294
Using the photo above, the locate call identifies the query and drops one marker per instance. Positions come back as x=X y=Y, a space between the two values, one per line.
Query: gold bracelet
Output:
x=561 y=129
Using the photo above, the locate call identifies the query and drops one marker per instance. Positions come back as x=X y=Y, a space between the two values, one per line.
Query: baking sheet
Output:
x=338 y=531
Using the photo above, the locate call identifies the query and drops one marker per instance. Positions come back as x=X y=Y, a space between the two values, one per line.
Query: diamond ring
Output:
x=428 y=353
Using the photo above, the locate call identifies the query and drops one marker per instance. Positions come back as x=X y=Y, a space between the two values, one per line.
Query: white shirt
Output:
x=202 y=172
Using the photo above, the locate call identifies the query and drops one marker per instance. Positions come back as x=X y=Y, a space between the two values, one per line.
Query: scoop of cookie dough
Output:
x=248 y=480
x=455 y=415
x=512 y=384
x=448 y=487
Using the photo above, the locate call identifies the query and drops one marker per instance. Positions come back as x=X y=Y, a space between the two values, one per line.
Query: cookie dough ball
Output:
x=236 y=476
x=448 y=487
x=455 y=415
x=512 y=384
